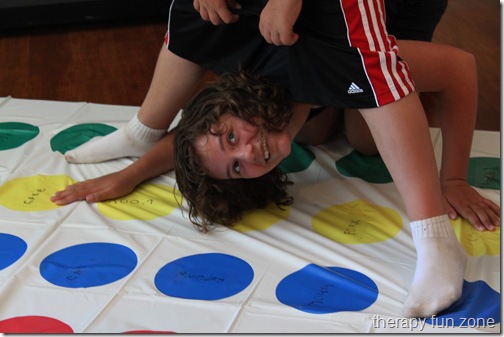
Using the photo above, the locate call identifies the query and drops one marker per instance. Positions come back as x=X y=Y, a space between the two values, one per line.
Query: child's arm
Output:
x=277 y=21
x=173 y=83
x=450 y=73
x=157 y=161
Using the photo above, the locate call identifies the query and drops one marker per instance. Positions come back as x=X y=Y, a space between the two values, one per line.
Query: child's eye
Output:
x=236 y=167
x=231 y=137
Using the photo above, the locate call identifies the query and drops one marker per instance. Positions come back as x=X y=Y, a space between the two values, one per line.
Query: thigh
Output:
x=320 y=128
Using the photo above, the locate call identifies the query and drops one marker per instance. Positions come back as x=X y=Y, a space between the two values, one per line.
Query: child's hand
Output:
x=217 y=11
x=465 y=201
x=277 y=21
x=107 y=187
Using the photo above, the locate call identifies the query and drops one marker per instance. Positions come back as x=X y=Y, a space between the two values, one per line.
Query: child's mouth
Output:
x=264 y=141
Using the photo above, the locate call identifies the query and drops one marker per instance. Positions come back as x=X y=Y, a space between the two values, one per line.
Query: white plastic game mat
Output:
x=339 y=260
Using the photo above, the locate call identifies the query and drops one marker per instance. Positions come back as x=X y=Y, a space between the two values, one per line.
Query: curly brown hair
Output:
x=222 y=202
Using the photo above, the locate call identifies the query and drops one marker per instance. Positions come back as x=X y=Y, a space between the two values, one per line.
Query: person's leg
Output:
x=358 y=134
x=174 y=81
x=401 y=133
x=321 y=127
x=446 y=79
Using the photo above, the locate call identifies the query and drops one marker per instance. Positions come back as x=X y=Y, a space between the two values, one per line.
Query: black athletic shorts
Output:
x=343 y=57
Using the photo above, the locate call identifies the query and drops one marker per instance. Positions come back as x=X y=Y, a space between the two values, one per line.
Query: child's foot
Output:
x=132 y=140
x=439 y=273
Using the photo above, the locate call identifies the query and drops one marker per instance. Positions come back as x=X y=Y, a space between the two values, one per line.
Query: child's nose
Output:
x=248 y=153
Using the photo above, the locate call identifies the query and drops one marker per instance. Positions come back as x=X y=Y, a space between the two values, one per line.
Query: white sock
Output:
x=132 y=140
x=439 y=272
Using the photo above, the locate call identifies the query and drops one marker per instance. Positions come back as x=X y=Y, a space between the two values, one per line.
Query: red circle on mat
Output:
x=34 y=324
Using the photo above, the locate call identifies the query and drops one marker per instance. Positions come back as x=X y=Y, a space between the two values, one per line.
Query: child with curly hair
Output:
x=329 y=54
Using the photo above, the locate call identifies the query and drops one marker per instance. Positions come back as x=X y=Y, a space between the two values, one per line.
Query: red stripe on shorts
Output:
x=389 y=77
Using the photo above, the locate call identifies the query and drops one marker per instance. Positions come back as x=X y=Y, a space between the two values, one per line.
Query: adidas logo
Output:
x=354 y=89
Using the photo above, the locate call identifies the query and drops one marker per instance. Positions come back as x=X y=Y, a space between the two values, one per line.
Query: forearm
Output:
x=457 y=142
x=117 y=184
x=458 y=117
x=157 y=161
x=450 y=74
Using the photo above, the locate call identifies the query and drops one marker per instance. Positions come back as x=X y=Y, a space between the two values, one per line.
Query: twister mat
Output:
x=339 y=260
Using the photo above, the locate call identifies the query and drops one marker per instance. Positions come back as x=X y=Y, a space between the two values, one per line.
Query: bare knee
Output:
x=320 y=128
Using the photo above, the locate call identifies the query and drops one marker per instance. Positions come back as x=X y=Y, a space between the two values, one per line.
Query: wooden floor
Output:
x=113 y=63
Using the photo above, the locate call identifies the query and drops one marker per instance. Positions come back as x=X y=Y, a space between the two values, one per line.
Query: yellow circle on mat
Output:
x=357 y=222
x=262 y=219
x=476 y=243
x=33 y=193
x=147 y=202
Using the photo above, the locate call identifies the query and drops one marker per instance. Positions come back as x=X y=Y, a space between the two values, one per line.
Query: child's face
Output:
x=240 y=149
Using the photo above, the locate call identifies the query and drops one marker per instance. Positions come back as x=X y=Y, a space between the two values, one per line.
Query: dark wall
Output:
x=36 y=13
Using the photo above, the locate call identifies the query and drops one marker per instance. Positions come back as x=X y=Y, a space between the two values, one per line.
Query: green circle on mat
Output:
x=77 y=135
x=369 y=168
x=484 y=172
x=298 y=160
x=14 y=134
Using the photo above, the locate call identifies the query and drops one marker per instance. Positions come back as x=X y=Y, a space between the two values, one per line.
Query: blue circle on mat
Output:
x=11 y=249
x=210 y=276
x=322 y=290
x=478 y=306
x=88 y=265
